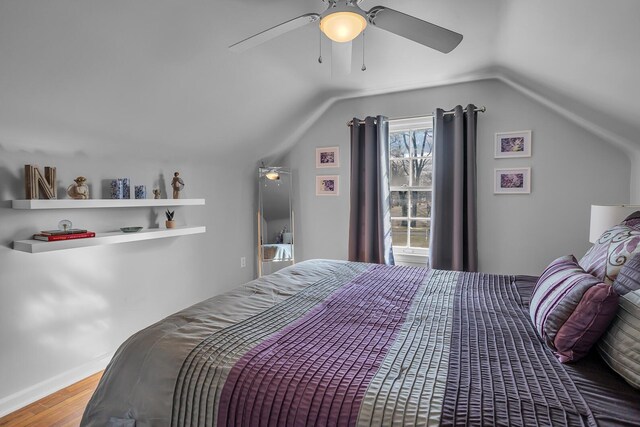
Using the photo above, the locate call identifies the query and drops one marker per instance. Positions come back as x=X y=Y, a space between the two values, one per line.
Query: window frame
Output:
x=409 y=254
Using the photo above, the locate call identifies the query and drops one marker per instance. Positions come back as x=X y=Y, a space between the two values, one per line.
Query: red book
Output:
x=64 y=236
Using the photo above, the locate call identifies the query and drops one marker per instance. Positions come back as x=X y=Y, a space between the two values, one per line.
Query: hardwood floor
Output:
x=63 y=408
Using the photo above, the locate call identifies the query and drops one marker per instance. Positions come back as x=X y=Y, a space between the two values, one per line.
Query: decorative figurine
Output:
x=79 y=190
x=177 y=184
x=156 y=193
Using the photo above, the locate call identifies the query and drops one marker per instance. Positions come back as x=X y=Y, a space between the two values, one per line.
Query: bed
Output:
x=340 y=343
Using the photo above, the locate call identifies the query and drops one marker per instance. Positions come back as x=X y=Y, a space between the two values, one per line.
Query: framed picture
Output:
x=327 y=185
x=513 y=144
x=327 y=157
x=512 y=181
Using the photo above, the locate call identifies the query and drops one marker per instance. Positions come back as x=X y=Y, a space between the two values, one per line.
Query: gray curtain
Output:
x=370 y=217
x=453 y=217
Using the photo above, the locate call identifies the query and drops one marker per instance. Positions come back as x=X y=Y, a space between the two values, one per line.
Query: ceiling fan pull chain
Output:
x=364 y=67
x=320 y=43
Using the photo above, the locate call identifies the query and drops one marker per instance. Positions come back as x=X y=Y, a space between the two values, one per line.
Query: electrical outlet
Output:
x=243 y=262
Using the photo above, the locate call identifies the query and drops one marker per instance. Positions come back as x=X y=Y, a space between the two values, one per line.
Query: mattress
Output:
x=340 y=343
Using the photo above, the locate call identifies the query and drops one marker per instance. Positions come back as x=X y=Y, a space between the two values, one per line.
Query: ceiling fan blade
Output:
x=273 y=32
x=415 y=29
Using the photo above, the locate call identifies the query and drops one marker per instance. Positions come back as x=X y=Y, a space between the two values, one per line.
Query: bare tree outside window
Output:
x=411 y=170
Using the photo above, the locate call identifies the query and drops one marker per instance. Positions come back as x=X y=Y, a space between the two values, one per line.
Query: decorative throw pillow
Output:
x=633 y=220
x=620 y=346
x=612 y=250
x=571 y=309
x=629 y=277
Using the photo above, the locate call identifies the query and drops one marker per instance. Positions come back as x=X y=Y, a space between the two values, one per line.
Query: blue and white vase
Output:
x=141 y=192
x=116 y=189
x=126 y=188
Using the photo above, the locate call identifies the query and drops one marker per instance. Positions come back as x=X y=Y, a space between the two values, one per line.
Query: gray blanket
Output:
x=336 y=343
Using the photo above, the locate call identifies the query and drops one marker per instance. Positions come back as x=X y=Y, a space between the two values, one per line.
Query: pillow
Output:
x=620 y=346
x=633 y=220
x=571 y=309
x=612 y=250
x=629 y=277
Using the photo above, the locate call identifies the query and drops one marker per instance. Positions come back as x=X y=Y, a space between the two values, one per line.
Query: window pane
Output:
x=423 y=172
x=422 y=143
x=411 y=173
x=399 y=173
x=398 y=232
x=421 y=204
x=420 y=234
x=399 y=203
x=399 y=144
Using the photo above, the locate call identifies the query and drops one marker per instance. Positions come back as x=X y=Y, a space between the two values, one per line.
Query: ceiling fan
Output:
x=343 y=21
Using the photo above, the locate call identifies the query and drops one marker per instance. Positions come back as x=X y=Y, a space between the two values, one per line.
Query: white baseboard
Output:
x=29 y=395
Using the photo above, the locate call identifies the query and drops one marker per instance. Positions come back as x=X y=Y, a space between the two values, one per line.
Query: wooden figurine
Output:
x=34 y=182
x=156 y=193
x=177 y=184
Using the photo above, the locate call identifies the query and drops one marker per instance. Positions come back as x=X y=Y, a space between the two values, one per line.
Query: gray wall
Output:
x=571 y=169
x=634 y=156
x=61 y=313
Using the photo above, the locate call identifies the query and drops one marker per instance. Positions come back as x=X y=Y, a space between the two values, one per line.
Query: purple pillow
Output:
x=571 y=309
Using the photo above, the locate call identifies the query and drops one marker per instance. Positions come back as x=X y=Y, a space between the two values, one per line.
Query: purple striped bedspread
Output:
x=346 y=344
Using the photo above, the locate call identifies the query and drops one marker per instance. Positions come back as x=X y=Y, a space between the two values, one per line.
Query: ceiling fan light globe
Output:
x=343 y=26
x=272 y=175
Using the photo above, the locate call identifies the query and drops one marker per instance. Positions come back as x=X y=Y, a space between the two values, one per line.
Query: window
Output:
x=411 y=175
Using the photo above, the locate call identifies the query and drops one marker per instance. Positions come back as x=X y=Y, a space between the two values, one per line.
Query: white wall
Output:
x=518 y=234
x=61 y=313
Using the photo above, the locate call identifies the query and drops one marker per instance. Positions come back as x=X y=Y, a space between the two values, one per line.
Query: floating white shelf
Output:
x=102 y=203
x=38 y=246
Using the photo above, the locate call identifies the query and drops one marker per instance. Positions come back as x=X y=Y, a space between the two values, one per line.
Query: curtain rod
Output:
x=446 y=113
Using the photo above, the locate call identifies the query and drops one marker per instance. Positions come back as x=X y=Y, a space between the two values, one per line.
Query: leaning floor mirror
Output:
x=275 y=220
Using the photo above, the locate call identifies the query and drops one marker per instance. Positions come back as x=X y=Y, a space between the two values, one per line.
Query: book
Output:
x=62 y=232
x=59 y=237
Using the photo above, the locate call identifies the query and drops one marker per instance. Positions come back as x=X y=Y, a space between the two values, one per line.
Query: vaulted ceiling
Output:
x=157 y=73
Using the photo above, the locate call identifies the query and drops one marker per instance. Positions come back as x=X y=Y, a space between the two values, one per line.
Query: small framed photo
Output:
x=512 y=181
x=327 y=185
x=513 y=144
x=327 y=157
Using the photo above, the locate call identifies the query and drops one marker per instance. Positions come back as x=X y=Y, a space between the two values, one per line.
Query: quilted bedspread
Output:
x=338 y=343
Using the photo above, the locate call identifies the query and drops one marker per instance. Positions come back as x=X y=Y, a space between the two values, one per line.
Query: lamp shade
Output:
x=343 y=26
x=605 y=217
